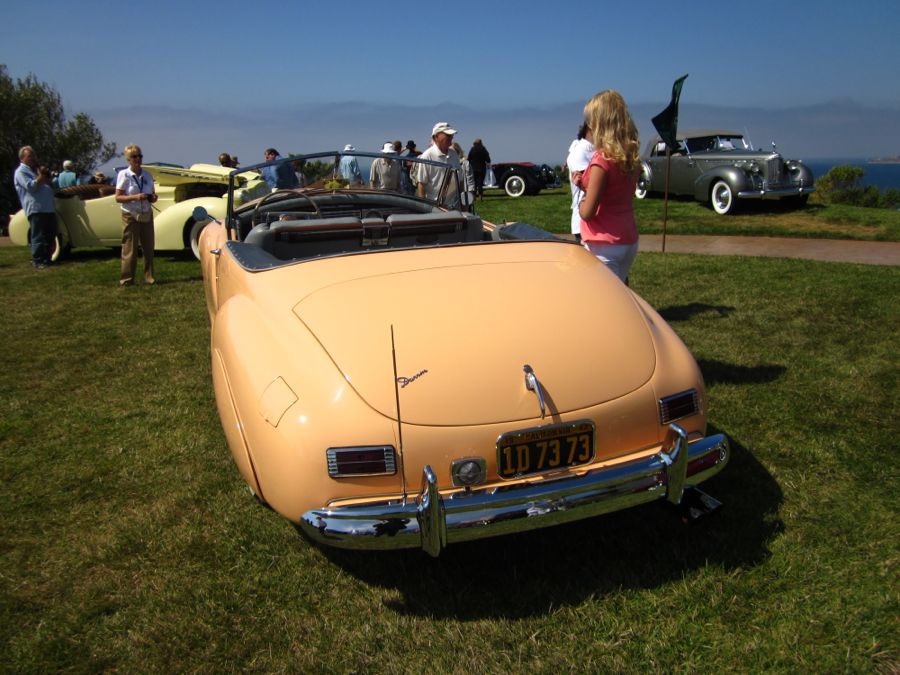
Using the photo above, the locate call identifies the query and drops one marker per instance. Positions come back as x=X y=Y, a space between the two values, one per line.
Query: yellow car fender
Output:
x=175 y=227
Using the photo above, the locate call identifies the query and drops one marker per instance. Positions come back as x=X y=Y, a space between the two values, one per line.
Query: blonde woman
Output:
x=608 y=228
x=136 y=194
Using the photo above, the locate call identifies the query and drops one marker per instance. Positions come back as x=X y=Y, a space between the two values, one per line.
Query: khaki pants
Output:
x=136 y=234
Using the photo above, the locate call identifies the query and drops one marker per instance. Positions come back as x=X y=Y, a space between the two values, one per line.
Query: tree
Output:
x=31 y=113
x=316 y=170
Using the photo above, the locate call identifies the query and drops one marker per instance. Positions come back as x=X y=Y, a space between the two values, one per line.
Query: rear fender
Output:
x=20 y=229
x=281 y=413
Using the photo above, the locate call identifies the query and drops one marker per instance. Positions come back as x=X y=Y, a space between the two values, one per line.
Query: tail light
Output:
x=678 y=406
x=368 y=460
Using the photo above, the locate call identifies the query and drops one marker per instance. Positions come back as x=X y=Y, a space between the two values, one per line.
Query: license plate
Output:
x=557 y=446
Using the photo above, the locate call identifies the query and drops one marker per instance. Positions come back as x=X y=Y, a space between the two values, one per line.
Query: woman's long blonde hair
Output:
x=615 y=134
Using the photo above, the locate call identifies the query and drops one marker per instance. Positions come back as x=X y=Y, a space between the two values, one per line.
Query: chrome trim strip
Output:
x=432 y=521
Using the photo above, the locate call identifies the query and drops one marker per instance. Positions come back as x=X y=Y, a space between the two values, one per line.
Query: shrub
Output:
x=890 y=199
x=841 y=185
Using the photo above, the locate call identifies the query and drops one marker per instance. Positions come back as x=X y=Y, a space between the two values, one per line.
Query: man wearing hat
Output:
x=385 y=173
x=67 y=177
x=430 y=179
x=349 y=167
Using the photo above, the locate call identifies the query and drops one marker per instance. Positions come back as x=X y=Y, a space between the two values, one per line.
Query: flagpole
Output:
x=666 y=197
x=666 y=124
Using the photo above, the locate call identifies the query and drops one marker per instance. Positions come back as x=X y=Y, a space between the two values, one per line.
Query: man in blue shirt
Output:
x=33 y=185
x=349 y=167
x=67 y=178
x=279 y=177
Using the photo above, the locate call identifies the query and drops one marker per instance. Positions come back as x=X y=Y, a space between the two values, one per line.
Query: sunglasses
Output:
x=136 y=157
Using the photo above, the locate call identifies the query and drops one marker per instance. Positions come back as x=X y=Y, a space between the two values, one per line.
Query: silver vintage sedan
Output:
x=721 y=167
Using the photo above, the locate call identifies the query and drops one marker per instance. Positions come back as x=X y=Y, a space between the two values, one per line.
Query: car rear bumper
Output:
x=433 y=521
x=776 y=193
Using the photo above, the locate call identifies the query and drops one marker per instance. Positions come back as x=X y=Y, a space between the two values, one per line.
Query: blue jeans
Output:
x=43 y=230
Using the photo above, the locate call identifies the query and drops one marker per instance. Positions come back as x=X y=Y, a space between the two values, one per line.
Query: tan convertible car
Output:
x=392 y=372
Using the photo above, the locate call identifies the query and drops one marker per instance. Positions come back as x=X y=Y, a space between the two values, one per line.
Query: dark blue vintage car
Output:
x=523 y=178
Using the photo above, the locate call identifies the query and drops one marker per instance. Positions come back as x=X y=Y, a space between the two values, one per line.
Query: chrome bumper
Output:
x=431 y=522
x=777 y=193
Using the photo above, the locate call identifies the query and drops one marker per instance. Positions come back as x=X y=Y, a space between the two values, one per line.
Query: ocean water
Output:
x=881 y=176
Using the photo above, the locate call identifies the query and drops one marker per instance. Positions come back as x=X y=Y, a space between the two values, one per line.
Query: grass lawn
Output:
x=550 y=209
x=129 y=541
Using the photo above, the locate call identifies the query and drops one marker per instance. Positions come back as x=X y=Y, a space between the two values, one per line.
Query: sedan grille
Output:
x=775 y=171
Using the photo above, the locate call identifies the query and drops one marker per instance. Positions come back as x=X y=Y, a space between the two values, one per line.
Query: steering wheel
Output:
x=290 y=191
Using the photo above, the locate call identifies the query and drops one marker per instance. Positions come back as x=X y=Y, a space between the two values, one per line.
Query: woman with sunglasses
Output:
x=136 y=194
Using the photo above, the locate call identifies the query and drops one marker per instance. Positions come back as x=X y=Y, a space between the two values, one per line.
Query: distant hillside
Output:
x=840 y=128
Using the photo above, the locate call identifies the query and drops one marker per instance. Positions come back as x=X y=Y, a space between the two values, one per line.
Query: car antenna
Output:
x=399 y=423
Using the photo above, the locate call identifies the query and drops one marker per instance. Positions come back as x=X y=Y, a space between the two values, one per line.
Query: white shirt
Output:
x=432 y=176
x=132 y=184
x=580 y=152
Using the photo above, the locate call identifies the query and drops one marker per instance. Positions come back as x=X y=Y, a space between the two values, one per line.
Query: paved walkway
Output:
x=829 y=250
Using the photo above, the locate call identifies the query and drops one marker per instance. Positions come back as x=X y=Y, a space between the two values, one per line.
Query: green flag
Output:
x=666 y=123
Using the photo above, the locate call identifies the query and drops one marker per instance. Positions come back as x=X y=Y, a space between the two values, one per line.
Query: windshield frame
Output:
x=450 y=185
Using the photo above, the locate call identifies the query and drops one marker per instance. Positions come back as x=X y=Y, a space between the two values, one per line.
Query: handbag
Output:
x=489 y=179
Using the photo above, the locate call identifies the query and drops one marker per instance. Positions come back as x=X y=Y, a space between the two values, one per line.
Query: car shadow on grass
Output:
x=685 y=312
x=532 y=573
x=720 y=372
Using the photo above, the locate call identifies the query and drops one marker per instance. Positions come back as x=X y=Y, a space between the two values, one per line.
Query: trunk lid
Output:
x=462 y=327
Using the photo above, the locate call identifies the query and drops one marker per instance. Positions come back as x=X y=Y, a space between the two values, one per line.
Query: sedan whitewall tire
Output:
x=722 y=198
x=515 y=185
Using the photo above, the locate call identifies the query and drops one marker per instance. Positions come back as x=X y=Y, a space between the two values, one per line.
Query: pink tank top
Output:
x=613 y=221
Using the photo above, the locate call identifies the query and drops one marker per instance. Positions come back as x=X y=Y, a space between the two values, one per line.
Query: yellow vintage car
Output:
x=88 y=215
x=392 y=372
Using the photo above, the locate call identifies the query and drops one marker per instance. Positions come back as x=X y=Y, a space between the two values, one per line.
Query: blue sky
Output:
x=255 y=64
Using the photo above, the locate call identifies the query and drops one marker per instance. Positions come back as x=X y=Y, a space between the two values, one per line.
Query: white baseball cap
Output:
x=442 y=128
